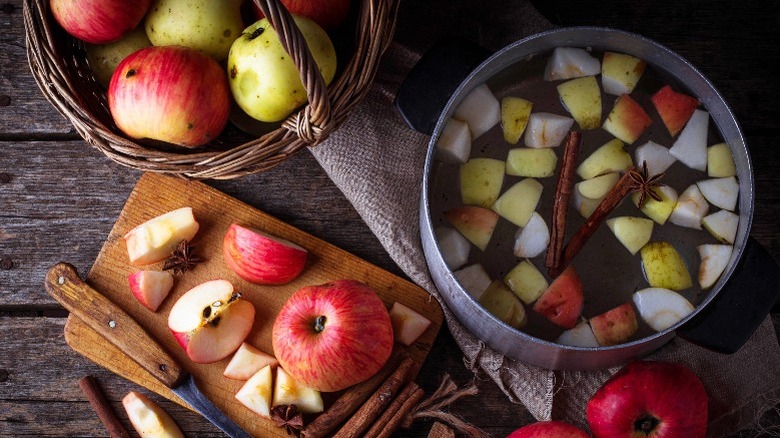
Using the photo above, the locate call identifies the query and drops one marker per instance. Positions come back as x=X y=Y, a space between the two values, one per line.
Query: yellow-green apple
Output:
x=562 y=302
x=172 y=94
x=454 y=142
x=530 y=162
x=331 y=336
x=632 y=232
x=480 y=110
x=621 y=72
x=585 y=206
x=288 y=391
x=615 y=326
x=261 y=258
x=408 y=324
x=204 y=25
x=690 y=148
x=211 y=320
x=526 y=281
x=661 y=308
x=150 y=287
x=518 y=202
x=722 y=225
x=720 y=162
x=649 y=399
x=474 y=279
x=546 y=130
x=579 y=336
x=155 y=239
x=675 y=108
x=721 y=192
x=656 y=157
x=475 y=223
x=98 y=21
x=690 y=209
x=658 y=211
x=532 y=240
x=664 y=267
x=627 y=120
x=103 y=58
x=257 y=392
x=714 y=259
x=247 y=361
x=481 y=180
x=329 y=14
x=582 y=98
x=609 y=157
x=500 y=302
x=548 y=429
x=514 y=117
x=148 y=418
x=263 y=78
x=598 y=187
x=569 y=63
x=453 y=247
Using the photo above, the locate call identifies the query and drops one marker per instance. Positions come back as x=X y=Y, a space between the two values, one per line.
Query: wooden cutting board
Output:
x=157 y=194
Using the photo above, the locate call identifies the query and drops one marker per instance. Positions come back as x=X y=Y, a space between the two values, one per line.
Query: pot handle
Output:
x=743 y=303
x=432 y=81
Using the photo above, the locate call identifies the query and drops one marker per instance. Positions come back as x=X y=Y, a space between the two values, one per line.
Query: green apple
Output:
x=103 y=58
x=263 y=77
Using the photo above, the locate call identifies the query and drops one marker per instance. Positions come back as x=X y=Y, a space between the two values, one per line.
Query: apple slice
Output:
x=584 y=206
x=288 y=391
x=474 y=279
x=210 y=321
x=247 y=361
x=722 y=225
x=480 y=110
x=562 y=302
x=609 y=157
x=621 y=72
x=579 y=336
x=503 y=304
x=656 y=156
x=714 y=259
x=721 y=192
x=148 y=418
x=530 y=162
x=598 y=187
x=615 y=326
x=582 y=98
x=408 y=324
x=257 y=392
x=674 y=108
x=150 y=287
x=481 y=180
x=526 y=282
x=661 y=308
x=690 y=209
x=532 y=240
x=632 y=232
x=261 y=258
x=658 y=211
x=691 y=146
x=720 y=162
x=664 y=267
x=519 y=201
x=514 y=117
x=627 y=120
x=454 y=142
x=546 y=130
x=475 y=223
x=569 y=63
x=155 y=239
x=453 y=247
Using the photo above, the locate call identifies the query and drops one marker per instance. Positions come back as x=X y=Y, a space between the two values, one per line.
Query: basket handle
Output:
x=314 y=121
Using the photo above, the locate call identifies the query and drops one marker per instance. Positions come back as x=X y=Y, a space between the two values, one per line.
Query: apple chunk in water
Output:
x=582 y=98
x=720 y=162
x=526 y=281
x=691 y=146
x=480 y=110
x=530 y=162
x=532 y=240
x=714 y=260
x=150 y=287
x=454 y=142
x=664 y=267
x=658 y=211
x=155 y=239
x=408 y=324
x=721 y=192
x=690 y=208
x=503 y=304
x=453 y=247
x=247 y=361
x=656 y=157
x=481 y=180
x=261 y=258
x=632 y=232
x=609 y=157
x=569 y=63
x=661 y=308
x=475 y=223
x=675 y=108
x=474 y=279
x=722 y=225
x=615 y=326
x=148 y=418
x=627 y=120
x=288 y=391
x=598 y=187
x=515 y=112
x=546 y=130
x=257 y=392
x=579 y=336
x=562 y=302
x=519 y=201
x=621 y=72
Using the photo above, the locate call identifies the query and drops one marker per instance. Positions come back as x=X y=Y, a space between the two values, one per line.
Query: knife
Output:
x=106 y=318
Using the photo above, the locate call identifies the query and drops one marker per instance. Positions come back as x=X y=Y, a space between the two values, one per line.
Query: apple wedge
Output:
x=658 y=211
x=691 y=145
x=503 y=304
x=150 y=287
x=257 y=392
x=714 y=259
x=627 y=120
x=661 y=308
x=546 y=130
x=155 y=239
x=481 y=180
x=690 y=209
x=475 y=223
x=562 y=302
x=532 y=240
x=664 y=267
x=519 y=201
x=584 y=206
x=148 y=418
x=720 y=192
x=615 y=326
x=609 y=157
x=480 y=110
x=632 y=232
x=474 y=279
x=261 y=258
x=722 y=225
x=247 y=361
x=598 y=187
x=570 y=63
x=581 y=335
x=514 y=117
x=408 y=324
x=454 y=142
x=674 y=108
x=453 y=247
x=621 y=72
x=288 y=391
x=526 y=282
x=582 y=98
x=530 y=162
x=720 y=162
x=657 y=157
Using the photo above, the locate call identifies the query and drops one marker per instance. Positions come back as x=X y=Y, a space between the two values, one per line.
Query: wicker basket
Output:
x=59 y=65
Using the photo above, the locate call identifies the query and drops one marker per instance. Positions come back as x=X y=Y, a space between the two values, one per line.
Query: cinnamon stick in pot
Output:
x=561 y=202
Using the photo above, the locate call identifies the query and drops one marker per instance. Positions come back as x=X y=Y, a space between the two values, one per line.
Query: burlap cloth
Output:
x=377 y=161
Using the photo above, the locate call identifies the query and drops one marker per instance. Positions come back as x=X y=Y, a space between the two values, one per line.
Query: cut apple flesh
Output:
x=664 y=267
x=714 y=260
x=610 y=157
x=155 y=239
x=632 y=232
x=474 y=279
x=148 y=418
x=480 y=110
x=661 y=308
x=514 y=117
x=530 y=162
x=481 y=180
x=615 y=326
x=621 y=72
x=503 y=304
x=720 y=162
x=720 y=192
x=657 y=157
x=598 y=187
x=722 y=225
x=546 y=130
x=658 y=211
x=475 y=223
x=257 y=392
x=454 y=248
x=247 y=361
x=533 y=239
x=579 y=336
x=627 y=120
x=690 y=209
x=582 y=98
x=569 y=63
x=562 y=302
x=519 y=201
x=691 y=146
x=454 y=142
x=526 y=281
x=408 y=324
x=288 y=391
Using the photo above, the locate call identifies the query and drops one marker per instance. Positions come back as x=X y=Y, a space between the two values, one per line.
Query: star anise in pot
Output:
x=182 y=259
x=288 y=417
x=643 y=184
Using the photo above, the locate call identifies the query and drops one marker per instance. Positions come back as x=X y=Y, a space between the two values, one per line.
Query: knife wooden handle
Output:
x=106 y=318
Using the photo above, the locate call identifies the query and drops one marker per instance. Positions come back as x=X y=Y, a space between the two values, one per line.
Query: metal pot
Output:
x=724 y=317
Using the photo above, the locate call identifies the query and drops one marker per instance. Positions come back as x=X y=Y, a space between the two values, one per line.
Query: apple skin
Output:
x=334 y=335
x=548 y=429
x=261 y=258
x=98 y=21
x=649 y=399
x=172 y=94
x=329 y=14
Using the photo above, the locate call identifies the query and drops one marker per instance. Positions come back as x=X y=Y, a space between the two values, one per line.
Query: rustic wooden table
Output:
x=59 y=198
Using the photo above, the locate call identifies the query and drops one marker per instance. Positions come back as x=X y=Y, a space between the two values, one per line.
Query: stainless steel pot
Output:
x=724 y=317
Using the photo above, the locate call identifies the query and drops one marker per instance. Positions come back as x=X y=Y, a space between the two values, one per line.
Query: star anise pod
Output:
x=643 y=184
x=182 y=259
x=287 y=416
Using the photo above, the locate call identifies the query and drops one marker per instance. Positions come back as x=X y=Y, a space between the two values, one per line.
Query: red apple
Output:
x=615 y=326
x=261 y=258
x=334 y=335
x=674 y=108
x=548 y=429
x=172 y=94
x=99 y=21
x=562 y=302
x=150 y=287
x=210 y=321
x=649 y=399
x=329 y=14
x=627 y=120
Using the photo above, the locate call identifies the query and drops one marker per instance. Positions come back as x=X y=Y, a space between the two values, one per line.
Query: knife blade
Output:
x=118 y=327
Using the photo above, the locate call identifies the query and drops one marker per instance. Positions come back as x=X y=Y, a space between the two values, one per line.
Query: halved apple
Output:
x=408 y=324
x=546 y=130
x=247 y=361
x=690 y=209
x=621 y=72
x=615 y=326
x=530 y=162
x=210 y=321
x=155 y=239
x=714 y=260
x=475 y=223
x=582 y=98
x=288 y=391
x=503 y=304
x=581 y=335
x=722 y=225
x=481 y=180
x=656 y=156
x=532 y=240
x=148 y=418
x=627 y=120
x=569 y=63
x=598 y=187
x=257 y=392
x=519 y=201
x=721 y=192
x=674 y=108
x=474 y=279
x=261 y=258
x=661 y=308
x=720 y=162
x=526 y=281
x=664 y=267
x=453 y=247
x=454 y=142
x=658 y=211
x=514 y=117
x=632 y=232
x=691 y=146
x=609 y=157
x=562 y=302
x=480 y=110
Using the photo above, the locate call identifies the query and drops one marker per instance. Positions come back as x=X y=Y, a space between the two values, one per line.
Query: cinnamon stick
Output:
x=381 y=423
x=561 y=201
x=402 y=412
x=102 y=408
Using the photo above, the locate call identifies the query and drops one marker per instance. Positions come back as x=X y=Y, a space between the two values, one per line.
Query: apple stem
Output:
x=646 y=424
x=319 y=323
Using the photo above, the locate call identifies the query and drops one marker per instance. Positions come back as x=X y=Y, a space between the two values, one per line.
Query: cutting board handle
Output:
x=99 y=313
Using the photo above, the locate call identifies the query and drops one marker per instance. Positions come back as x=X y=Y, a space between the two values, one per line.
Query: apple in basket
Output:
x=172 y=94
x=333 y=335
x=329 y=14
x=98 y=21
